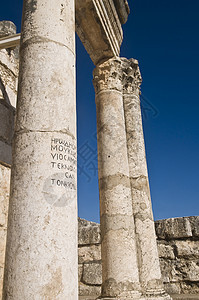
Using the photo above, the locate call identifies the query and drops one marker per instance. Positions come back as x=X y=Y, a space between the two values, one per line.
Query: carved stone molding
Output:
x=123 y=10
x=98 y=25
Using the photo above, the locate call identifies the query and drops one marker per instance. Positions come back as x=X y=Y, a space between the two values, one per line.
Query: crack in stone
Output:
x=44 y=131
x=8 y=70
x=40 y=39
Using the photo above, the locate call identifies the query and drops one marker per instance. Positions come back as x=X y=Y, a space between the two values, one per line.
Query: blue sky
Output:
x=163 y=36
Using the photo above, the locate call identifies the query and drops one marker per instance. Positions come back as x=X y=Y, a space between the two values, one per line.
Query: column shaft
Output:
x=119 y=258
x=41 y=254
x=148 y=259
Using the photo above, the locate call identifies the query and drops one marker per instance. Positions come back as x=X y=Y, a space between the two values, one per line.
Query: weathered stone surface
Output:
x=8 y=92
x=165 y=251
x=194 y=221
x=187 y=249
x=98 y=24
x=5 y=153
x=148 y=260
x=89 y=253
x=88 y=233
x=8 y=68
x=173 y=228
x=7 y=123
x=4 y=194
x=178 y=261
x=172 y=288
x=41 y=252
x=179 y=270
x=92 y=273
x=185 y=297
x=119 y=261
x=7 y=28
x=89 y=290
x=4 y=199
x=190 y=288
x=186 y=270
x=80 y=272
x=123 y=10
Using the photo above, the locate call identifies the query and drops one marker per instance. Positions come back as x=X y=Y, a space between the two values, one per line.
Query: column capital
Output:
x=120 y=74
x=132 y=78
x=108 y=75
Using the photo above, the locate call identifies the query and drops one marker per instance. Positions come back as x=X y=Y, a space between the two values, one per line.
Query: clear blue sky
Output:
x=163 y=36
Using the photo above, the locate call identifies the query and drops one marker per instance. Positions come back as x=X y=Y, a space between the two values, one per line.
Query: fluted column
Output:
x=148 y=259
x=41 y=255
x=119 y=258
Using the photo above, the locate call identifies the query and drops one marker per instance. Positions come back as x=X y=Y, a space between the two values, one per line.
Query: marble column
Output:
x=119 y=258
x=148 y=259
x=41 y=254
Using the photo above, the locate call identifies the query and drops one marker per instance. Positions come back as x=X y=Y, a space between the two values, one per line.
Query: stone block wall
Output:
x=89 y=259
x=178 y=245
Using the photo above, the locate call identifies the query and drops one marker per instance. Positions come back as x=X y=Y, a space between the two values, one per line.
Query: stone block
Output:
x=90 y=291
x=166 y=270
x=4 y=195
x=165 y=251
x=80 y=272
x=172 y=288
x=1 y=278
x=195 y=225
x=187 y=270
x=6 y=123
x=88 y=233
x=5 y=153
x=173 y=228
x=190 y=288
x=89 y=253
x=7 y=28
x=11 y=62
x=179 y=270
x=92 y=273
x=2 y=246
x=187 y=249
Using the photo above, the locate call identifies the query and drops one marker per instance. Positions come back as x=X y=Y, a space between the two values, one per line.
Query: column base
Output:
x=166 y=297
x=156 y=295
x=123 y=296
x=163 y=296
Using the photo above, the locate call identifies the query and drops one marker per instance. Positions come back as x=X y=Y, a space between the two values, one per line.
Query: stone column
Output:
x=120 y=279
x=41 y=255
x=148 y=259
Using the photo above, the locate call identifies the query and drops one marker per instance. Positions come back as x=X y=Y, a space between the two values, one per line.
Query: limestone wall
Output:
x=178 y=245
x=4 y=197
x=8 y=92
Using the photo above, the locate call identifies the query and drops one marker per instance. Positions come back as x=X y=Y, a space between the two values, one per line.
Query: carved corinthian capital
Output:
x=131 y=76
x=119 y=74
x=108 y=75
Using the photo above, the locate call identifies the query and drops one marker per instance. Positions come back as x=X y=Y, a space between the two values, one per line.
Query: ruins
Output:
x=41 y=257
